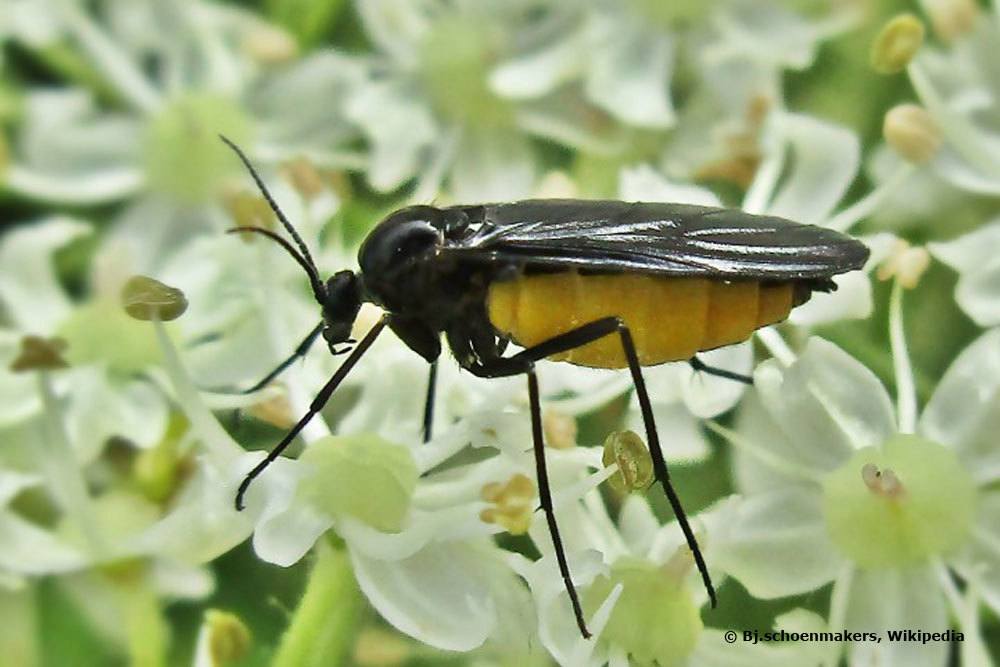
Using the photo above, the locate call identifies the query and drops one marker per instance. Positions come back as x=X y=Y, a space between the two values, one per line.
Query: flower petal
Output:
x=643 y=183
x=452 y=596
x=630 y=71
x=493 y=165
x=398 y=126
x=964 y=411
x=776 y=544
x=978 y=291
x=853 y=296
x=538 y=73
x=824 y=160
x=826 y=402
x=897 y=599
x=979 y=563
x=680 y=435
x=29 y=290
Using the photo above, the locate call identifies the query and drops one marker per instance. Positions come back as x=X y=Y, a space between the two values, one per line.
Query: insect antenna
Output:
x=317 y=285
x=302 y=257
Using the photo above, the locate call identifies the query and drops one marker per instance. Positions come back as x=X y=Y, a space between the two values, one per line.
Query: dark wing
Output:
x=675 y=239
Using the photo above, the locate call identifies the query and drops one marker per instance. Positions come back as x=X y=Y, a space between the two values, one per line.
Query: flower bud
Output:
x=912 y=132
x=147 y=299
x=897 y=43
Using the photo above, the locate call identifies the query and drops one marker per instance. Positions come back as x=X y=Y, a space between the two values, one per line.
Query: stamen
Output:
x=513 y=504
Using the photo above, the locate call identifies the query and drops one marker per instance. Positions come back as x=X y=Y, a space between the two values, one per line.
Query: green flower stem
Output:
x=214 y=437
x=906 y=392
x=324 y=626
x=145 y=627
x=64 y=473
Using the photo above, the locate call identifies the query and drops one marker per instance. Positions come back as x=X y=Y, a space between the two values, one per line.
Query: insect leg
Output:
x=699 y=365
x=545 y=496
x=300 y=351
x=588 y=333
x=429 y=401
x=659 y=463
x=317 y=404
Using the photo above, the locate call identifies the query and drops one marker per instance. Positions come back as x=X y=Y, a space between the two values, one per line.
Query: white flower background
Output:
x=855 y=487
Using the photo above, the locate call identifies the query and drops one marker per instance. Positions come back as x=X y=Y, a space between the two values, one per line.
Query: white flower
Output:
x=973 y=256
x=837 y=490
x=426 y=109
x=162 y=153
x=623 y=57
x=637 y=575
x=959 y=91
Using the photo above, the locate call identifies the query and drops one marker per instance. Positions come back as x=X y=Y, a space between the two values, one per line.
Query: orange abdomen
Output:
x=671 y=319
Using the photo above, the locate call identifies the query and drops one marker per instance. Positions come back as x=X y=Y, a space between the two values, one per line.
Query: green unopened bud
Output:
x=227 y=636
x=912 y=132
x=145 y=298
x=899 y=504
x=362 y=476
x=655 y=620
x=39 y=354
x=635 y=466
x=897 y=43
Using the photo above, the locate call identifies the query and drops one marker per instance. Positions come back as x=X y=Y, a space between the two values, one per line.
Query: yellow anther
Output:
x=897 y=43
x=912 y=132
x=905 y=263
x=145 y=298
x=635 y=466
x=513 y=504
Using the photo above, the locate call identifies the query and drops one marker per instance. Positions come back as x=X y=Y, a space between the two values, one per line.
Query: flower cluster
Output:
x=130 y=322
